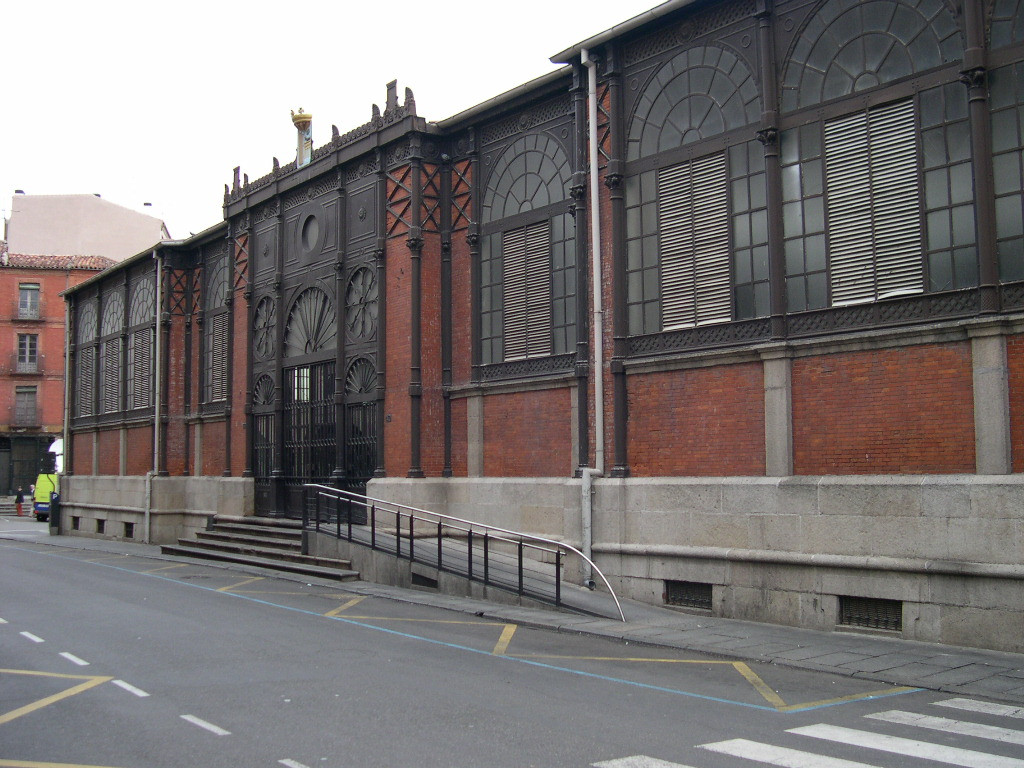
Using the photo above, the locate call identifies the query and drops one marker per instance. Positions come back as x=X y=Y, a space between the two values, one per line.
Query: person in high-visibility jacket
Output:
x=46 y=486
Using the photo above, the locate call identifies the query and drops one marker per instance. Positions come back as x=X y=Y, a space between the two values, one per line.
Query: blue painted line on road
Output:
x=457 y=647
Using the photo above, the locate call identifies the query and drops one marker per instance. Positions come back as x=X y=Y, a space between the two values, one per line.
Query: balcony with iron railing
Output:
x=30 y=312
x=25 y=416
x=27 y=366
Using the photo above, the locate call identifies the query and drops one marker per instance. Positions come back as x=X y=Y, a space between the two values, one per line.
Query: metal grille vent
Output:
x=871 y=613
x=526 y=257
x=688 y=594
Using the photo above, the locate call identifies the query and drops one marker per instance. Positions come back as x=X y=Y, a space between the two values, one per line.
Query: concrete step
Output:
x=245 y=537
x=326 y=568
x=267 y=553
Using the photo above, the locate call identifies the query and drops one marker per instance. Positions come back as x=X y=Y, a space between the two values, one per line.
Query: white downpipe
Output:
x=597 y=346
x=157 y=397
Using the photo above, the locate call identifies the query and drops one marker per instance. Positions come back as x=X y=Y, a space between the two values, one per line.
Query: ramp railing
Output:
x=531 y=566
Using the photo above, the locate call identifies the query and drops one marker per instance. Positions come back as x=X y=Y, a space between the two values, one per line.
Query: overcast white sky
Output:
x=146 y=102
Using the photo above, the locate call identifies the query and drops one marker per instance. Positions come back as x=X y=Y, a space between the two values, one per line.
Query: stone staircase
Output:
x=260 y=541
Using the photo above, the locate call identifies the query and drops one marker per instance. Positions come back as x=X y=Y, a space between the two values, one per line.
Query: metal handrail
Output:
x=469 y=527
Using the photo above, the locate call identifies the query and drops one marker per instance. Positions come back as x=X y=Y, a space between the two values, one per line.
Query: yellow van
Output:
x=46 y=486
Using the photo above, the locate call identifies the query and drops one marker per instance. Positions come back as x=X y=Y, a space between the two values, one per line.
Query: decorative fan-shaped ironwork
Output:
x=263 y=392
x=217 y=285
x=113 y=313
x=361 y=303
x=311 y=325
x=143 y=303
x=86 y=331
x=361 y=377
x=263 y=328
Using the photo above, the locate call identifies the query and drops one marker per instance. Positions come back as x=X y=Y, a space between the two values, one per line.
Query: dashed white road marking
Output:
x=984 y=707
x=3 y=621
x=215 y=729
x=967 y=758
x=637 y=761
x=292 y=763
x=780 y=756
x=32 y=637
x=130 y=688
x=961 y=727
x=74 y=659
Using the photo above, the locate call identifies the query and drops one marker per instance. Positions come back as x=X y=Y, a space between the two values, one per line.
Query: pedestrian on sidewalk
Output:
x=19 y=499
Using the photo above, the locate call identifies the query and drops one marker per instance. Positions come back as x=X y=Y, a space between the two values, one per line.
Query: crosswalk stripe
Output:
x=961 y=727
x=781 y=756
x=984 y=707
x=909 y=747
x=637 y=761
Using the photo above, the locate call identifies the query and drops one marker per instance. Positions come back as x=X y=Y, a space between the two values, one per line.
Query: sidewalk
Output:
x=963 y=671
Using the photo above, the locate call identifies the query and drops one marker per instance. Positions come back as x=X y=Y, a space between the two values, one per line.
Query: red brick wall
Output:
x=907 y=410
x=703 y=422
x=528 y=434
x=398 y=279
x=110 y=452
x=432 y=403
x=1015 y=361
x=139 y=458
x=82 y=453
x=213 y=447
x=238 y=383
x=176 y=435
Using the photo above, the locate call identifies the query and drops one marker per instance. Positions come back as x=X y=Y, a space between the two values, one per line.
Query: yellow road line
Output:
x=427 y=621
x=760 y=685
x=841 y=699
x=504 y=640
x=619 y=658
x=90 y=682
x=240 y=584
x=34 y=764
x=345 y=606
x=166 y=568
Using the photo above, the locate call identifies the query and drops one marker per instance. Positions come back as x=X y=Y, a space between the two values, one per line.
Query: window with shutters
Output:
x=110 y=374
x=527 y=260
x=85 y=358
x=878 y=204
x=216 y=329
x=142 y=324
x=696 y=215
x=28 y=301
x=26 y=413
x=28 y=352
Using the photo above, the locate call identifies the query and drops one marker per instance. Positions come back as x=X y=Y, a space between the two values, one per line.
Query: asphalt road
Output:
x=124 y=661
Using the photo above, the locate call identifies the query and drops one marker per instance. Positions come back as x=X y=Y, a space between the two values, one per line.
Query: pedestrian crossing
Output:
x=874 y=743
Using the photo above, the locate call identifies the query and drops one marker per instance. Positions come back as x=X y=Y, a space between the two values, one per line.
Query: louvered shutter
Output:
x=526 y=283
x=538 y=289
x=693 y=216
x=218 y=372
x=895 y=199
x=874 y=229
x=142 y=368
x=514 y=309
x=86 y=380
x=111 y=375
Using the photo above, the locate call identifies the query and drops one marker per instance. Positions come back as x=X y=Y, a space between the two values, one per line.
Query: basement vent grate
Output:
x=419 y=580
x=129 y=530
x=76 y=523
x=688 y=594
x=871 y=613
x=101 y=526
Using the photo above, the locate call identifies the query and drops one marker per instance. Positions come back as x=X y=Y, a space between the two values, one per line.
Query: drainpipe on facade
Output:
x=588 y=474
x=157 y=396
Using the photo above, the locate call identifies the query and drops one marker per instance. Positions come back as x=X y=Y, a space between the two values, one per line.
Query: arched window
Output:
x=878 y=198
x=311 y=326
x=85 y=338
x=1007 y=23
x=528 y=285
x=111 y=326
x=697 y=226
x=216 y=329
x=141 y=327
x=850 y=46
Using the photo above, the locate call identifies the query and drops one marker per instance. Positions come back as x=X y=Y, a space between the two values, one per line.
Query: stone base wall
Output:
x=112 y=506
x=784 y=550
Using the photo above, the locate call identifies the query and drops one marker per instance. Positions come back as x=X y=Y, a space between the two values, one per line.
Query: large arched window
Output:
x=216 y=330
x=528 y=280
x=111 y=326
x=697 y=232
x=141 y=327
x=85 y=339
x=878 y=195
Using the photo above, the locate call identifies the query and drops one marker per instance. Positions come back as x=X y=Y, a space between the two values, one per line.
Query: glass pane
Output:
x=965 y=268
x=817 y=291
x=1007 y=173
x=741 y=267
x=812 y=177
x=1009 y=222
x=744 y=302
x=958 y=139
x=791 y=182
x=936 y=189
x=938 y=230
x=794 y=257
x=796 y=295
x=963 y=225
x=758 y=191
x=760 y=259
x=792 y=219
x=961 y=183
x=940 y=271
x=814 y=214
x=814 y=253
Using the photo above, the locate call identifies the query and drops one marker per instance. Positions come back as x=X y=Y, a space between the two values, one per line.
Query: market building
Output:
x=734 y=300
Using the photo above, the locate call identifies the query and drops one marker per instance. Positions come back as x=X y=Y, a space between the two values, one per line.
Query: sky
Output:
x=145 y=102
